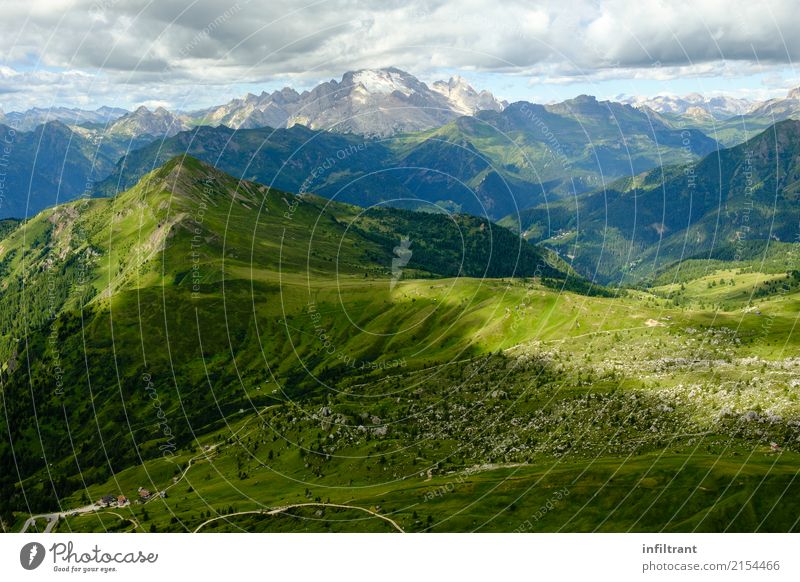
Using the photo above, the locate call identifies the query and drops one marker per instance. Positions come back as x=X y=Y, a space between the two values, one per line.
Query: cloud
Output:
x=174 y=50
x=681 y=33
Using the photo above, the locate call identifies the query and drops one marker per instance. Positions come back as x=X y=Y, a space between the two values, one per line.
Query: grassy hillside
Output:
x=259 y=358
x=91 y=280
x=729 y=201
x=668 y=426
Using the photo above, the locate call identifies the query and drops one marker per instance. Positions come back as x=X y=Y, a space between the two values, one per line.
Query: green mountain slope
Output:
x=265 y=358
x=120 y=288
x=732 y=197
x=571 y=146
x=46 y=166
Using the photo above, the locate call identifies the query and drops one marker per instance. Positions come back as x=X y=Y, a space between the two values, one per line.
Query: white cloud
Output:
x=170 y=51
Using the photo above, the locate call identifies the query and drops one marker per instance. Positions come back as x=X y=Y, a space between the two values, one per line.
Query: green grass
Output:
x=679 y=491
x=291 y=370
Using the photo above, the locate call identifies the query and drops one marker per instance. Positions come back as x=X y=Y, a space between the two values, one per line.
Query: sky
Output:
x=191 y=54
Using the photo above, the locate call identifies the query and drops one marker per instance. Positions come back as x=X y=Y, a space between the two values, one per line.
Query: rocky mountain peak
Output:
x=379 y=101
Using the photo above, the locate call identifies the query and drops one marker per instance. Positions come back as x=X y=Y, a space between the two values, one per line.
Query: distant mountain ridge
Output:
x=694 y=105
x=728 y=120
x=733 y=197
x=36 y=116
x=142 y=122
x=388 y=101
x=372 y=102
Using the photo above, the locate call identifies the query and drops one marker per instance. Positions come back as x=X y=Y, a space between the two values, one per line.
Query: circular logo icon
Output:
x=31 y=555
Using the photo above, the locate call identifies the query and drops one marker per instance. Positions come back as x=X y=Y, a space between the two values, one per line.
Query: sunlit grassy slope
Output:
x=278 y=373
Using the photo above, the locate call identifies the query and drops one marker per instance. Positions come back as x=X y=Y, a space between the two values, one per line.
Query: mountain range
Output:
x=143 y=123
x=32 y=118
x=388 y=101
x=490 y=164
x=49 y=165
x=379 y=102
x=444 y=146
x=714 y=116
x=694 y=105
x=385 y=305
x=732 y=203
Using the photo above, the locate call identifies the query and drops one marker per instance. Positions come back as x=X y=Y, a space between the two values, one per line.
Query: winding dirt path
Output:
x=283 y=509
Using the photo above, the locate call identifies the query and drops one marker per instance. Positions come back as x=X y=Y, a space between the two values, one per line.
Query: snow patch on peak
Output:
x=382 y=82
